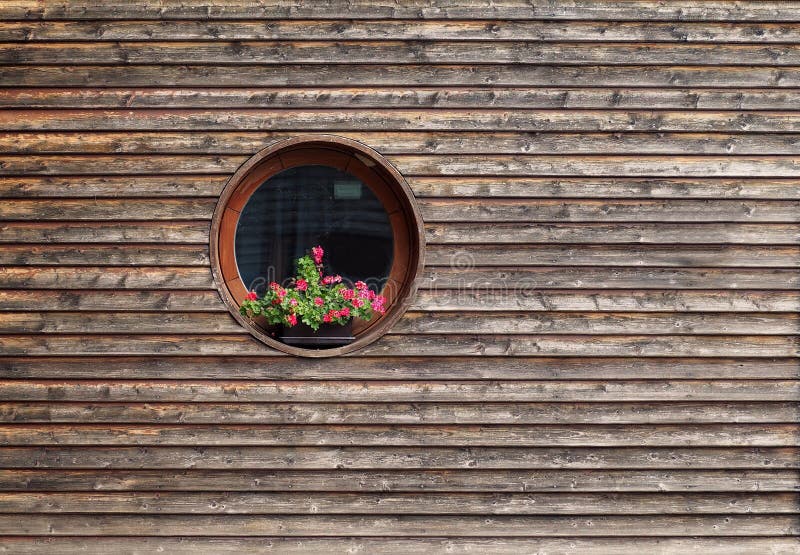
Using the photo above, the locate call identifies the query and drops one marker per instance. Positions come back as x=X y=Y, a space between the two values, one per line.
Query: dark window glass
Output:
x=306 y=206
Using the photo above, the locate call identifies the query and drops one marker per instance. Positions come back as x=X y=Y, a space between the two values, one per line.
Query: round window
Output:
x=316 y=243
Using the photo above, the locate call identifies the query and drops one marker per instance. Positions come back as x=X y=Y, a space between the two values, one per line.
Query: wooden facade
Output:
x=602 y=357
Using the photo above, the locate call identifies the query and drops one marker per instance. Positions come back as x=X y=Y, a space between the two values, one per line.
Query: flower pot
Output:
x=328 y=335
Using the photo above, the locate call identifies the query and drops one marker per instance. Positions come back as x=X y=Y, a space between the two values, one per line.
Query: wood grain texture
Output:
x=398 y=503
x=670 y=10
x=401 y=96
x=398 y=367
x=326 y=53
x=210 y=457
x=602 y=354
x=398 y=75
x=501 y=481
x=413 y=29
x=780 y=545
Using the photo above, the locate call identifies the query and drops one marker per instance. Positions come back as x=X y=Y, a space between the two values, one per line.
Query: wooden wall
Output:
x=602 y=357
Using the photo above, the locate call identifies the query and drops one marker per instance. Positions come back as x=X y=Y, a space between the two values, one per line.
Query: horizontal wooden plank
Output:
x=407 y=30
x=562 y=211
x=438 y=233
x=401 y=96
x=186 y=301
x=396 y=120
x=466 y=165
x=778 y=545
x=639 y=323
x=444 y=233
x=104 y=232
x=400 y=413
x=419 y=345
x=403 y=480
x=711 y=10
x=209 y=457
x=108 y=209
x=396 y=368
x=406 y=142
x=405 y=525
x=460 y=257
x=583 y=435
x=431 y=300
x=443 y=186
x=606 y=188
x=588 y=300
x=465 y=257
x=399 y=503
x=116 y=186
x=550 y=211
x=522 y=278
x=361 y=391
x=681 y=233
x=109 y=277
x=459 y=275
x=112 y=254
x=331 y=53
x=482 y=323
x=401 y=75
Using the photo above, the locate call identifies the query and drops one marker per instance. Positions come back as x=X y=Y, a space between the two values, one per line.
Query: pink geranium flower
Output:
x=317 y=253
x=301 y=285
x=318 y=301
x=251 y=296
x=291 y=319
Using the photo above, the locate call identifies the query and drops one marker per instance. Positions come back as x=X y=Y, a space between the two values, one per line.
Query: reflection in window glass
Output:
x=299 y=208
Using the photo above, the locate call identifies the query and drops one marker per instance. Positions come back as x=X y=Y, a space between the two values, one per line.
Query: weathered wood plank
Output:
x=375 y=120
x=362 y=391
x=521 y=279
x=491 y=165
x=460 y=276
x=398 y=368
x=401 y=96
x=330 y=53
x=420 y=345
x=458 y=412
x=681 y=233
x=108 y=209
x=184 y=300
x=639 y=323
x=464 y=257
x=606 y=188
x=209 y=457
x=739 y=480
x=551 y=211
x=608 y=435
x=400 y=503
x=402 y=75
x=108 y=277
x=406 y=142
x=111 y=254
x=405 y=525
x=105 y=232
x=563 y=211
x=461 y=257
x=432 y=300
x=436 y=233
x=612 y=10
x=119 y=186
x=391 y=546
x=506 y=323
x=410 y=29
x=442 y=186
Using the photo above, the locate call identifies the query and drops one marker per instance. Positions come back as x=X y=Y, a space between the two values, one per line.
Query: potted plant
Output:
x=316 y=309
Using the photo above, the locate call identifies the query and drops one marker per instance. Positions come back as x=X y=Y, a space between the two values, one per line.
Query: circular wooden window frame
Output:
x=346 y=155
